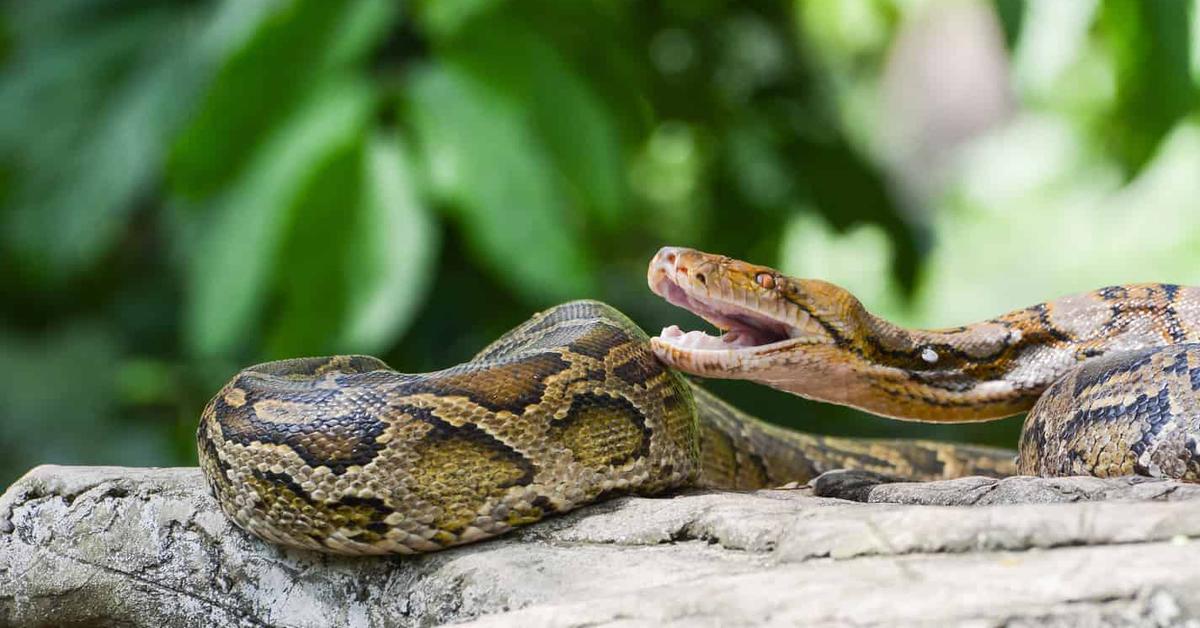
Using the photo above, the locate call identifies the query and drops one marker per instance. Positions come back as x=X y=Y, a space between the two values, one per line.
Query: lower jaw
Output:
x=721 y=364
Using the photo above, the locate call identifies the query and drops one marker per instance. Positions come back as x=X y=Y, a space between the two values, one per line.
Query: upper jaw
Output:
x=751 y=330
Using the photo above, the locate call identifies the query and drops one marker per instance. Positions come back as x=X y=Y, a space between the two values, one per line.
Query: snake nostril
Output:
x=702 y=279
x=670 y=258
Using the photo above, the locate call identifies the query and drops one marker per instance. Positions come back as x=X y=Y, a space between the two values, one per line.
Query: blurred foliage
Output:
x=190 y=187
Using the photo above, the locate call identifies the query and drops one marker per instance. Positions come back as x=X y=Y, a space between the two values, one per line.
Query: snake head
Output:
x=761 y=312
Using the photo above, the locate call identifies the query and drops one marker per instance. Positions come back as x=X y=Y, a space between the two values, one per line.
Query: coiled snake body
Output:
x=345 y=455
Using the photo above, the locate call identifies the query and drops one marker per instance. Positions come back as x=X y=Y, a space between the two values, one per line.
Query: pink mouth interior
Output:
x=745 y=328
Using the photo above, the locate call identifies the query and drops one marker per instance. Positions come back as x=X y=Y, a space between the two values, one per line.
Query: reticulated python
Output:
x=345 y=455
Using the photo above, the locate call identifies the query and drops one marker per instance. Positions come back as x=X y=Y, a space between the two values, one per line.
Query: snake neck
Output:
x=740 y=452
x=817 y=340
x=974 y=373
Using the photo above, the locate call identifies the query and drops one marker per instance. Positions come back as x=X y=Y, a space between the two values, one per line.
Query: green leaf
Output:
x=444 y=18
x=232 y=265
x=309 y=282
x=1011 y=14
x=848 y=190
x=89 y=101
x=63 y=381
x=396 y=243
x=357 y=256
x=1150 y=46
x=363 y=26
x=295 y=47
x=571 y=122
x=484 y=161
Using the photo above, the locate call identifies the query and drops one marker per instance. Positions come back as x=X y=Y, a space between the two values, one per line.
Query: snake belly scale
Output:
x=345 y=455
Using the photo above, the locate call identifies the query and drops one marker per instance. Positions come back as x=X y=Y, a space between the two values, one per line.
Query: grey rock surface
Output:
x=148 y=547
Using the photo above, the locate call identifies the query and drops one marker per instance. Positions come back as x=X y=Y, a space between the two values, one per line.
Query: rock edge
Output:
x=148 y=547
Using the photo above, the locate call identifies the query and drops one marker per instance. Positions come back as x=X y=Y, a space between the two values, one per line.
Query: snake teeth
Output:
x=699 y=340
x=752 y=318
x=743 y=327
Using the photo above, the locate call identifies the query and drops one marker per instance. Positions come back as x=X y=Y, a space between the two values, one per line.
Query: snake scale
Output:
x=345 y=455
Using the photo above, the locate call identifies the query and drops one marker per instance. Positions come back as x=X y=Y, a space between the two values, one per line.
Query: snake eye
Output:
x=765 y=280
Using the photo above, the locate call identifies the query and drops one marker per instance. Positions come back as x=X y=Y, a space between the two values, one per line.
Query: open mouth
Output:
x=740 y=327
x=683 y=277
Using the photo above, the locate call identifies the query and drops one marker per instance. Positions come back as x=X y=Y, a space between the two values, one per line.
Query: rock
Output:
x=148 y=547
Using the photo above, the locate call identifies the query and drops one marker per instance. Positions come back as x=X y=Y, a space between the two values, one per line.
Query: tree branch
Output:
x=148 y=547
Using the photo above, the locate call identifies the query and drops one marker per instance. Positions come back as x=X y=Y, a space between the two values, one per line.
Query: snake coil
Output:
x=342 y=454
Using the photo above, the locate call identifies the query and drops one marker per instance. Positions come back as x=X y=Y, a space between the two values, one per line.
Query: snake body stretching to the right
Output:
x=344 y=455
x=1112 y=376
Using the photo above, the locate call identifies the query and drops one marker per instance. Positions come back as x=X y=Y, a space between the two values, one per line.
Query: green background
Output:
x=192 y=187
